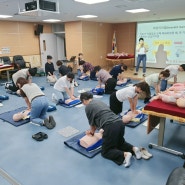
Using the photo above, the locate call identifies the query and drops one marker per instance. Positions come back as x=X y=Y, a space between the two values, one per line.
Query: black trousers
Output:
x=115 y=105
x=13 y=87
x=110 y=85
x=93 y=76
x=114 y=144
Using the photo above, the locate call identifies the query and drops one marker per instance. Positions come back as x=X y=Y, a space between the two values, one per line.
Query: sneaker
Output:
x=127 y=159
x=75 y=84
x=145 y=152
x=52 y=121
x=47 y=124
x=54 y=98
x=137 y=153
x=135 y=73
x=6 y=86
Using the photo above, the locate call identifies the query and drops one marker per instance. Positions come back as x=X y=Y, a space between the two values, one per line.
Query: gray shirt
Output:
x=103 y=75
x=99 y=114
x=21 y=73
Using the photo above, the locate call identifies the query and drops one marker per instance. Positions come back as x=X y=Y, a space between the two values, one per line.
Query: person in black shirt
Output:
x=63 y=70
x=117 y=69
x=49 y=70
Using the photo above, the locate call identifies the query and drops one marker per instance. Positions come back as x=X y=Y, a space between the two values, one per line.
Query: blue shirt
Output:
x=115 y=71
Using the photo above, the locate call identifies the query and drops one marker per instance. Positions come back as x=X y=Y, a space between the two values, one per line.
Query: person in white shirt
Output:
x=128 y=93
x=64 y=88
x=141 y=49
x=174 y=69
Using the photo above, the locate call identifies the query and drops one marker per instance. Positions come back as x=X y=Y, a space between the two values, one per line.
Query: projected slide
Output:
x=165 y=40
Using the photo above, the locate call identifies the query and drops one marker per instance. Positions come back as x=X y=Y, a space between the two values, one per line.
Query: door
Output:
x=48 y=46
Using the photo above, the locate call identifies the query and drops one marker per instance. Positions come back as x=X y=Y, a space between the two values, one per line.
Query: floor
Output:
x=25 y=161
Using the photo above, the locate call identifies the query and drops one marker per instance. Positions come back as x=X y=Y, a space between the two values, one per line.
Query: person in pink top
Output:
x=105 y=79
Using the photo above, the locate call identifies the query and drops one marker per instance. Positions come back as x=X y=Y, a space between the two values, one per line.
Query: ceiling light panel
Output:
x=91 y=1
x=87 y=16
x=137 y=10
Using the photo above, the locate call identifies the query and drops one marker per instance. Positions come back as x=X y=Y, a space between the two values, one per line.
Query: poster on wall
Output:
x=5 y=50
x=165 y=40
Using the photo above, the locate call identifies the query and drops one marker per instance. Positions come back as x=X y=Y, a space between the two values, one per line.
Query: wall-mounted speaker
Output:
x=31 y=6
x=39 y=29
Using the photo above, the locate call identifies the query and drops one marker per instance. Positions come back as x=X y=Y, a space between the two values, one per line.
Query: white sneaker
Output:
x=127 y=159
x=145 y=152
x=75 y=84
x=54 y=98
x=6 y=85
x=137 y=153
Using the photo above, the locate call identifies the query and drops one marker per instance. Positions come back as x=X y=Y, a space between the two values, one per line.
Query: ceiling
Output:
x=109 y=12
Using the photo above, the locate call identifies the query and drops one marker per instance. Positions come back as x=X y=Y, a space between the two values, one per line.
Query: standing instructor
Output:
x=141 y=49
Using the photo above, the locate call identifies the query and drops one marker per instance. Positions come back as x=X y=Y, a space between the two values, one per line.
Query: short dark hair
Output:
x=86 y=96
x=32 y=71
x=80 y=54
x=81 y=62
x=49 y=57
x=97 y=68
x=59 y=62
x=124 y=66
x=70 y=75
x=141 y=39
x=183 y=66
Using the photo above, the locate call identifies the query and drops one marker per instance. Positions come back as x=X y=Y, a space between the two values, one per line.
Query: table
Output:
x=128 y=61
x=7 y=68
x=157 y=112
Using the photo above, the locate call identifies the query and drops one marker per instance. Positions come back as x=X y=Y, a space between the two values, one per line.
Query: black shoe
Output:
x=135 y=73
x=40 y=136
x=47 y=124
x=52 y=121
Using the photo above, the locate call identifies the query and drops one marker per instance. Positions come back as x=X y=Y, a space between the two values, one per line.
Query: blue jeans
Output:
x=39 y=107
x=163 y=85
x=143 y=59
x=79 y=73
x=60 y=95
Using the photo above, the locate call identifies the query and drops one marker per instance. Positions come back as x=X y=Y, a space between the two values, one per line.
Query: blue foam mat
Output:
x=73 y=144
x=124 y=84
x=70 y=105
x=8 y=117
x=86 y=78
x=135 y=124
